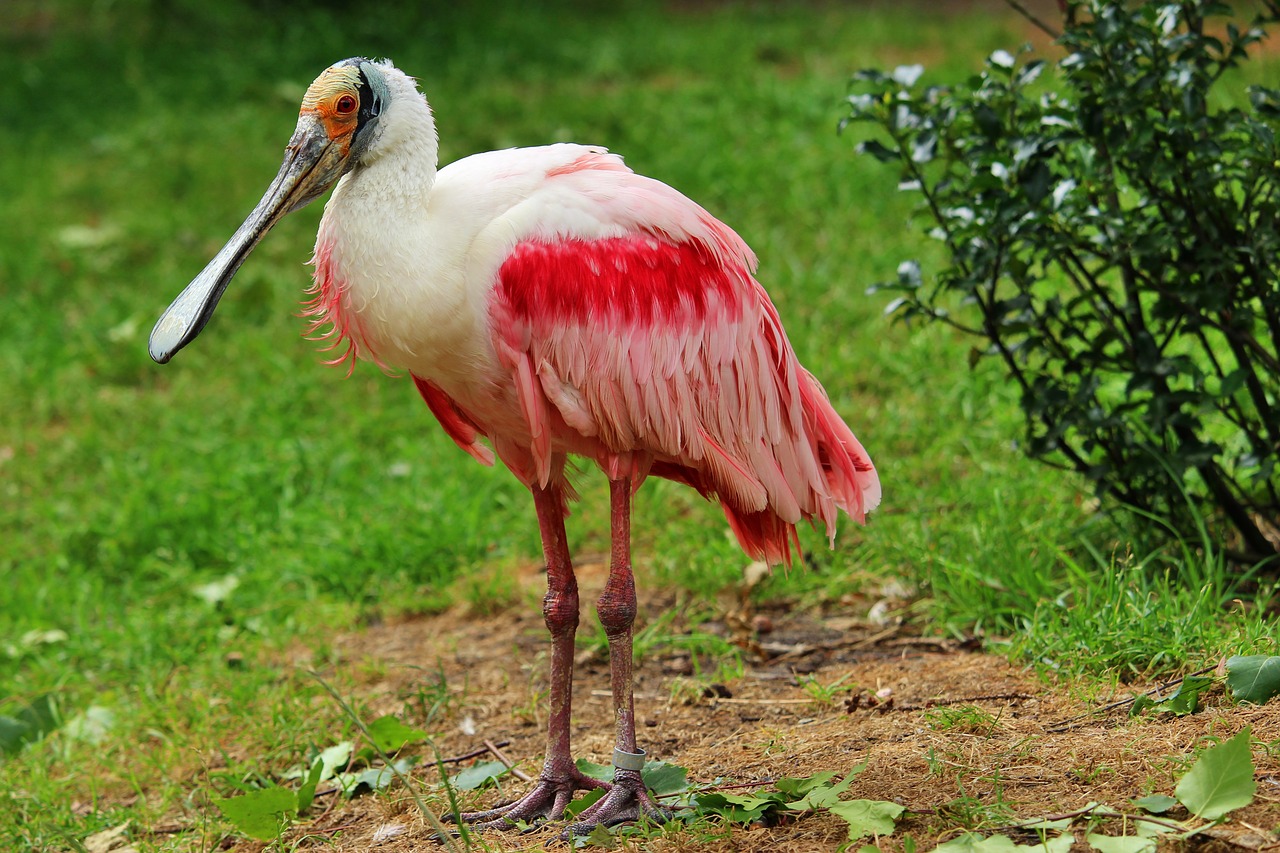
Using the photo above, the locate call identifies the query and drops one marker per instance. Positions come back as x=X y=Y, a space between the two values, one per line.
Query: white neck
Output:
x=394 y=283
x=405 y=138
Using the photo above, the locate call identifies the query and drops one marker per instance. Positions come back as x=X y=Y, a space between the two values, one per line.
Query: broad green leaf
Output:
x=375 y=778
x=1185 y=700
x=600 y=838
x=1253 y=678
x=580 y=805
x=798 y=787
x=737 y=808
x=335 y=758
x=868 y=817
x=13 y=734
x=877 y=150
x=307 y=790
x=659 y=776
x=663 y=778
x=29 y=724
x=390 y=735
x=260 y=814
x=825 y=796
x=1220 y=781
x=603 y=772
x=478 y=775
x=42 y=714
x=971 y=842
x=1120 y=843
x=1155 y=803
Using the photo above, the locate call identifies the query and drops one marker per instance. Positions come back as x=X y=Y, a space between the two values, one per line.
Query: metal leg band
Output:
x=628 y=760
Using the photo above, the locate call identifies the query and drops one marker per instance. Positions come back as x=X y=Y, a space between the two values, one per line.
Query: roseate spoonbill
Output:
x=554 y=302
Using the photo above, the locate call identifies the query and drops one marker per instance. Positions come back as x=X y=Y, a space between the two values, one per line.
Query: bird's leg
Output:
x=560 y=776
x=627 y=799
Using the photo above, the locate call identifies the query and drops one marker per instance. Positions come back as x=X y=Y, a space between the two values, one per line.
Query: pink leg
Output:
x=627 y=799
x=560 y=777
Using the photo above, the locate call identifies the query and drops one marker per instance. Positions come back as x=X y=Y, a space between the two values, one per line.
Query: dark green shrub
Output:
x=1113 y=235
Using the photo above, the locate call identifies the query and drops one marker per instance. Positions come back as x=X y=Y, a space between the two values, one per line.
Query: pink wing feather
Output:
x=658 y=352
x=457 y=425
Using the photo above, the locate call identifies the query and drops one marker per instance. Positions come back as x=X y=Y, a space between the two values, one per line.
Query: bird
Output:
x=548 y=302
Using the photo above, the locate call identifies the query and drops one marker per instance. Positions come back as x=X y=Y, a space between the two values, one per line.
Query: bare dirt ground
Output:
x=765 y=725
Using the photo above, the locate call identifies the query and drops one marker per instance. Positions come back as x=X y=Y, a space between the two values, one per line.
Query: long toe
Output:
x=626 y=801
x=545 y=802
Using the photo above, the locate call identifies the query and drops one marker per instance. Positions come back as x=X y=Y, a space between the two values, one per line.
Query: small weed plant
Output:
x=961 y=718
x=1219 y=781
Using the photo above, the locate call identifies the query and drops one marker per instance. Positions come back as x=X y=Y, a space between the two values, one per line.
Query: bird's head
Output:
x=338 y=125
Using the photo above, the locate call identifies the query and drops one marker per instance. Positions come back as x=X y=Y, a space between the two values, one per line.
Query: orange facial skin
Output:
x=334 y=98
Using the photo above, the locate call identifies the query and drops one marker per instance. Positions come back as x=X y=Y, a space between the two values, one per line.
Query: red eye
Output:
x=345 y=105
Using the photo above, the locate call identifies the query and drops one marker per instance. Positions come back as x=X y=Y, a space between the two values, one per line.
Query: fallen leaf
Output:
x=868 y=817
x=1155 y=803
x=478 y=775
x=260 y=814
x=390 y=735
x=1253 y=678
x=1221 y=780
x=1120 y=843
x=112 y=839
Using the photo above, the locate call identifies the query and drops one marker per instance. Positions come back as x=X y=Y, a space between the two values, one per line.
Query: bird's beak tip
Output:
x=172 y=331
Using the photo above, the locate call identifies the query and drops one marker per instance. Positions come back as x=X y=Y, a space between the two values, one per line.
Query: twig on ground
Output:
x=782 y=652
x=1097 y=811
x=1071 y=723
x=475 y=753
x=855 y=702
x=886 y=638
x=501 y=756
x=728 y=700
x=711 y=788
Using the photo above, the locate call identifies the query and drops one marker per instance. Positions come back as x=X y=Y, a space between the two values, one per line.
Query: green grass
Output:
x=132 y=150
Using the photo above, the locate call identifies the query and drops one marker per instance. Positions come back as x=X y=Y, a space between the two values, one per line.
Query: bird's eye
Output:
x=345 y=105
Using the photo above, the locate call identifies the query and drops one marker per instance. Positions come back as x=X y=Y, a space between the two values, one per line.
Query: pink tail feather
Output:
x=846 y=467
x=846 y=470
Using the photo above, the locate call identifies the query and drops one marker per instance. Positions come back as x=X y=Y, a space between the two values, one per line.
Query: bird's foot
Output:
x=545 y=802
x=626 y=801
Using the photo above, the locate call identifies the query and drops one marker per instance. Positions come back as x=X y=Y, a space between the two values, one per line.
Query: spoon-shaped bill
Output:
x=312 y=163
